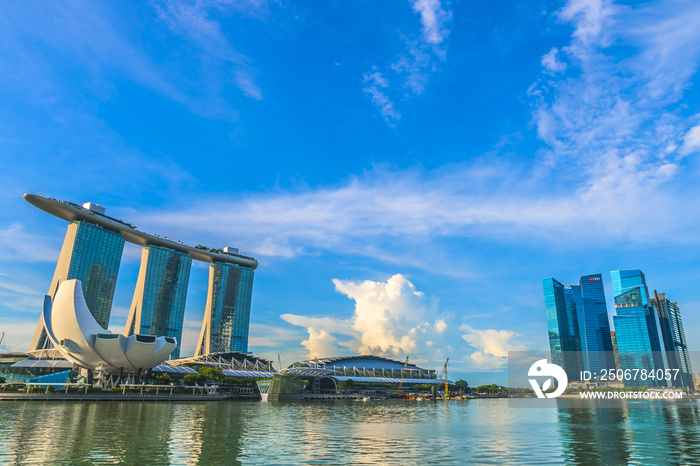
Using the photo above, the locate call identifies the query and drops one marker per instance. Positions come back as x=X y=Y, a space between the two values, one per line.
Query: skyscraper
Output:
x=673 y=337
x=598 y=343
x=227 y=313
x=563 y=326
x=158 y=306
x=637 y=328
x=574 y=304
x=91 y=254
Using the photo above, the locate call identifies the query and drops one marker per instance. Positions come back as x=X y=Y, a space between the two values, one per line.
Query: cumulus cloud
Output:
x=491 y=345
x=390 y=319
x=388 y=315
x=320 y=343
x=394 y=319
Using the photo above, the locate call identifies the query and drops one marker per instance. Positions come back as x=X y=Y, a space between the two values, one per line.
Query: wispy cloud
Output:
x=387 y=213
x=193 y=21
x=102 y=54
x=24 y=246
x=413 y=66
x=375 y=85
x=609 y=122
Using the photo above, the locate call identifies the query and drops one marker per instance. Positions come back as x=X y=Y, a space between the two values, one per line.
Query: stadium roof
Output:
x=364 y=361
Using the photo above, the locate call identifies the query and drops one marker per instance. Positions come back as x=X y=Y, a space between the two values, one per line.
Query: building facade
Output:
x=637 y=328
x=158 y=306
x=599 y=347
x=563 y=326
x=91 y=254
x=227 y=313
x=673 y=337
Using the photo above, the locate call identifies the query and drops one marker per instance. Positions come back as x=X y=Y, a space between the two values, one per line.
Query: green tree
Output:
x=462 y=385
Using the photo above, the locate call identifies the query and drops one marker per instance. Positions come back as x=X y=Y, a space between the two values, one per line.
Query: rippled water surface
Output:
x=344 y=432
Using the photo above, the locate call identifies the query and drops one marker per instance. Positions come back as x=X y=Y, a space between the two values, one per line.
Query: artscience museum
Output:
x=76 y=334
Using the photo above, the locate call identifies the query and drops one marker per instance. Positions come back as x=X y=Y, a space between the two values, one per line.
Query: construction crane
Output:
x=447 y=390
x=402 y=375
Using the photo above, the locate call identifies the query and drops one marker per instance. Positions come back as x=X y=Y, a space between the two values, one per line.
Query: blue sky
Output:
x=406 y=172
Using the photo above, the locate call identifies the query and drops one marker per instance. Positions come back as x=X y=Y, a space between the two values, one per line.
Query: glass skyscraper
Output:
x=577 y=320
x=637 y=328
x=598 y=342
x=673 y=337
x=227 y=314
x=91 y=254
x=574 y=304
x=563 y=326
x=158 y=307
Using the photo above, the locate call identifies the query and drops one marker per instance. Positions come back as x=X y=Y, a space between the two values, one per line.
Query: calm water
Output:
x=376 y=432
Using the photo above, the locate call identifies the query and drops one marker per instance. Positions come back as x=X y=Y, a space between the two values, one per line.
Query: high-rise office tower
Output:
x=599 y=348
x=673 y=337
x=614 y=342
x=227 y=313
x=637 y=328
x=158 y=306
x=563 y=326
x=91 y=254
x=574 y=304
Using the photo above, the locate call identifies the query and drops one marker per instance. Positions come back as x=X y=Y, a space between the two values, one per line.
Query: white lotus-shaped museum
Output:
x=76 y=334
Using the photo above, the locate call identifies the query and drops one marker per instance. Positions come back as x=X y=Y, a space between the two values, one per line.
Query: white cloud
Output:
x=388 y=315
x=433 y=19
x=416 y=63
x=609 y=123
x=384 y=214
x=590 y=18
x=320 y=343
x=691 y=141
x=391 y=319
x=491 y=345
x=375 y=84
x=394 y=319
x=440 y=326
x=551 y=62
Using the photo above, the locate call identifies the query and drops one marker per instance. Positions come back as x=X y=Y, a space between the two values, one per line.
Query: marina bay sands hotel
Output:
x=92 y=252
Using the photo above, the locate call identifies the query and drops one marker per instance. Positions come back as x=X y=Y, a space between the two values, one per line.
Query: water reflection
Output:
x=387 y=432
x=631 y=432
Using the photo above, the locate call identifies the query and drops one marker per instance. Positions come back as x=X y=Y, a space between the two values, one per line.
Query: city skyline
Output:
x=405 y=172
x=647 y=333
